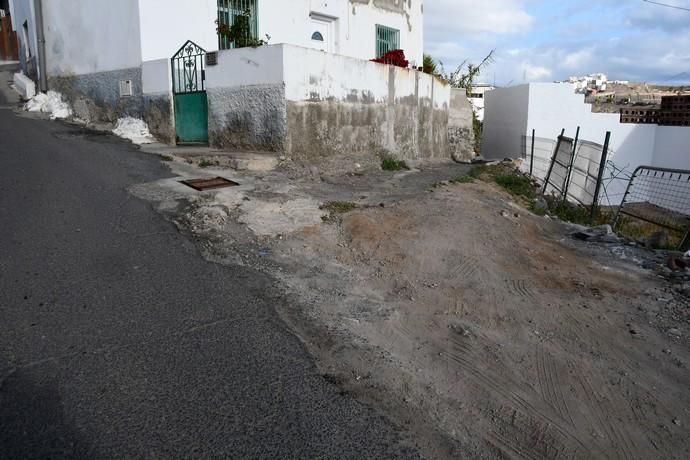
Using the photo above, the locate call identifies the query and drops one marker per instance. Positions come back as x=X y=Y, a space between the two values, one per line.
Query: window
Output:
x=231 y=12
x=387 y=39
x=316 y=36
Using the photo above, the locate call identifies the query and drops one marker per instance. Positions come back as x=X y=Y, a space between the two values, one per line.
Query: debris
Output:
x=133 y=129
x=50 y=102
x=677 y=262
x=602 y=234
x=676 y=422
x=674 y=332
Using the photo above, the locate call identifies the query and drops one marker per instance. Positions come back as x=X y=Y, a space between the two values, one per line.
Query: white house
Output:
x=91 y=36
x=477 y=98
x=313 y=90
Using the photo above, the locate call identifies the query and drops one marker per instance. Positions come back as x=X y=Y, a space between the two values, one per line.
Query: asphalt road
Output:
x=118 y=340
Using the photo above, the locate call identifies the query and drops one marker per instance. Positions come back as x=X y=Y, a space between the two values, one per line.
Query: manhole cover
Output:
x=209 y=184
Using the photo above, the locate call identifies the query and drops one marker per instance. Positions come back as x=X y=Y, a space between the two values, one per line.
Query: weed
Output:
x=390 y=163
x=462 y=180
x=517 y=185
x=166 y=158
x=340 y=207
x=206 y=164
x=335 y=209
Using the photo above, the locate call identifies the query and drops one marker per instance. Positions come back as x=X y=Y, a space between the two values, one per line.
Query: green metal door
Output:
x=191 y=117
x=189 y=93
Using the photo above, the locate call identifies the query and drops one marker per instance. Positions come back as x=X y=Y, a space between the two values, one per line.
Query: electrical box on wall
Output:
x=126 y=88
x=212 y=58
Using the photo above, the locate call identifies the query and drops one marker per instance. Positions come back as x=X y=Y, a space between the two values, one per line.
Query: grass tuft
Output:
x=336 y=209
x=166 y=158
x=391 y=164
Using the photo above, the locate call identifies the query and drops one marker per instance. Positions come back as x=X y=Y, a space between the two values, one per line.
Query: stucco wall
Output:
x=91 y=36
x=310 y=104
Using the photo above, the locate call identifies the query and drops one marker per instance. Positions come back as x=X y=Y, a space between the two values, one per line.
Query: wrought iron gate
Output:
x=189 y=92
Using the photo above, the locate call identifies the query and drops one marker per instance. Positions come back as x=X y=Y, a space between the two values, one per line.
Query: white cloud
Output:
x=457 y=18
x=535 y=72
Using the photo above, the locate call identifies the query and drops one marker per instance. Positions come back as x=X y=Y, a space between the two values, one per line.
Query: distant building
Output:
x=477 y=98
x=589 y=83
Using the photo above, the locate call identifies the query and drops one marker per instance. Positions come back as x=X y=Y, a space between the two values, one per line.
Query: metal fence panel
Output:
x=543 y=153
x=556 y=180
x=660 y=196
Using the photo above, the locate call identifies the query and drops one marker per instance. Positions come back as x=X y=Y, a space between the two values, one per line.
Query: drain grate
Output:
x=209 y=184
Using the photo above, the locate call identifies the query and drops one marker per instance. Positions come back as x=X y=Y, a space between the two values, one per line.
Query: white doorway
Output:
x=321 y=34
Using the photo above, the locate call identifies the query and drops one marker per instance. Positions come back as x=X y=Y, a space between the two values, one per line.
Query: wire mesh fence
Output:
x=659 y=196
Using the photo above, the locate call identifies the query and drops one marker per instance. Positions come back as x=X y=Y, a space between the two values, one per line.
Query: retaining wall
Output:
x=311 y=104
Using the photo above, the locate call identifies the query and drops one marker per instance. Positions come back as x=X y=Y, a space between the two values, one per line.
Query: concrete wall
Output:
x=246 y=98
x=338 y=104
x=91 y=36
x=311 y=104
x=505 y=122
x=460 y=127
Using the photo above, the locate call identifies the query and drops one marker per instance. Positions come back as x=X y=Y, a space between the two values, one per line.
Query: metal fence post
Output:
x=570 y=167
x=600 y=178
x=531 y=161
x=553 y=160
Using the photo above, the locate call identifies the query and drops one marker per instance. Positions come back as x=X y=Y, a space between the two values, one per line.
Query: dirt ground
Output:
x=482 y=329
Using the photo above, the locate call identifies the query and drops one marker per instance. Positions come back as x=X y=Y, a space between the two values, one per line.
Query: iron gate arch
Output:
x=189 y=93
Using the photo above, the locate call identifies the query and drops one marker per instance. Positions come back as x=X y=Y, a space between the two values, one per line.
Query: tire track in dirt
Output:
x=600 y=406
x=551 y=389
x=548 y=418
x=521 y=288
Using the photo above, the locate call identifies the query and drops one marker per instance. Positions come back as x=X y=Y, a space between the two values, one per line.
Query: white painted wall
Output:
x=90 y=36
x=308 y=74
x=312 y=74
x=247 y=67
x=167 y=24
x=672 y=147
x=505 y=122
x=156 y=78
x=353 y=24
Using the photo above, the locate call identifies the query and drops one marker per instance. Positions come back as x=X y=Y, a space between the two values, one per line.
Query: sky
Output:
x=548 y=40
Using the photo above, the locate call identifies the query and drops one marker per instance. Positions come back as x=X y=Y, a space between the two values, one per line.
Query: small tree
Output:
x=464 y=77
x=429 y=65
x=466 y=73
